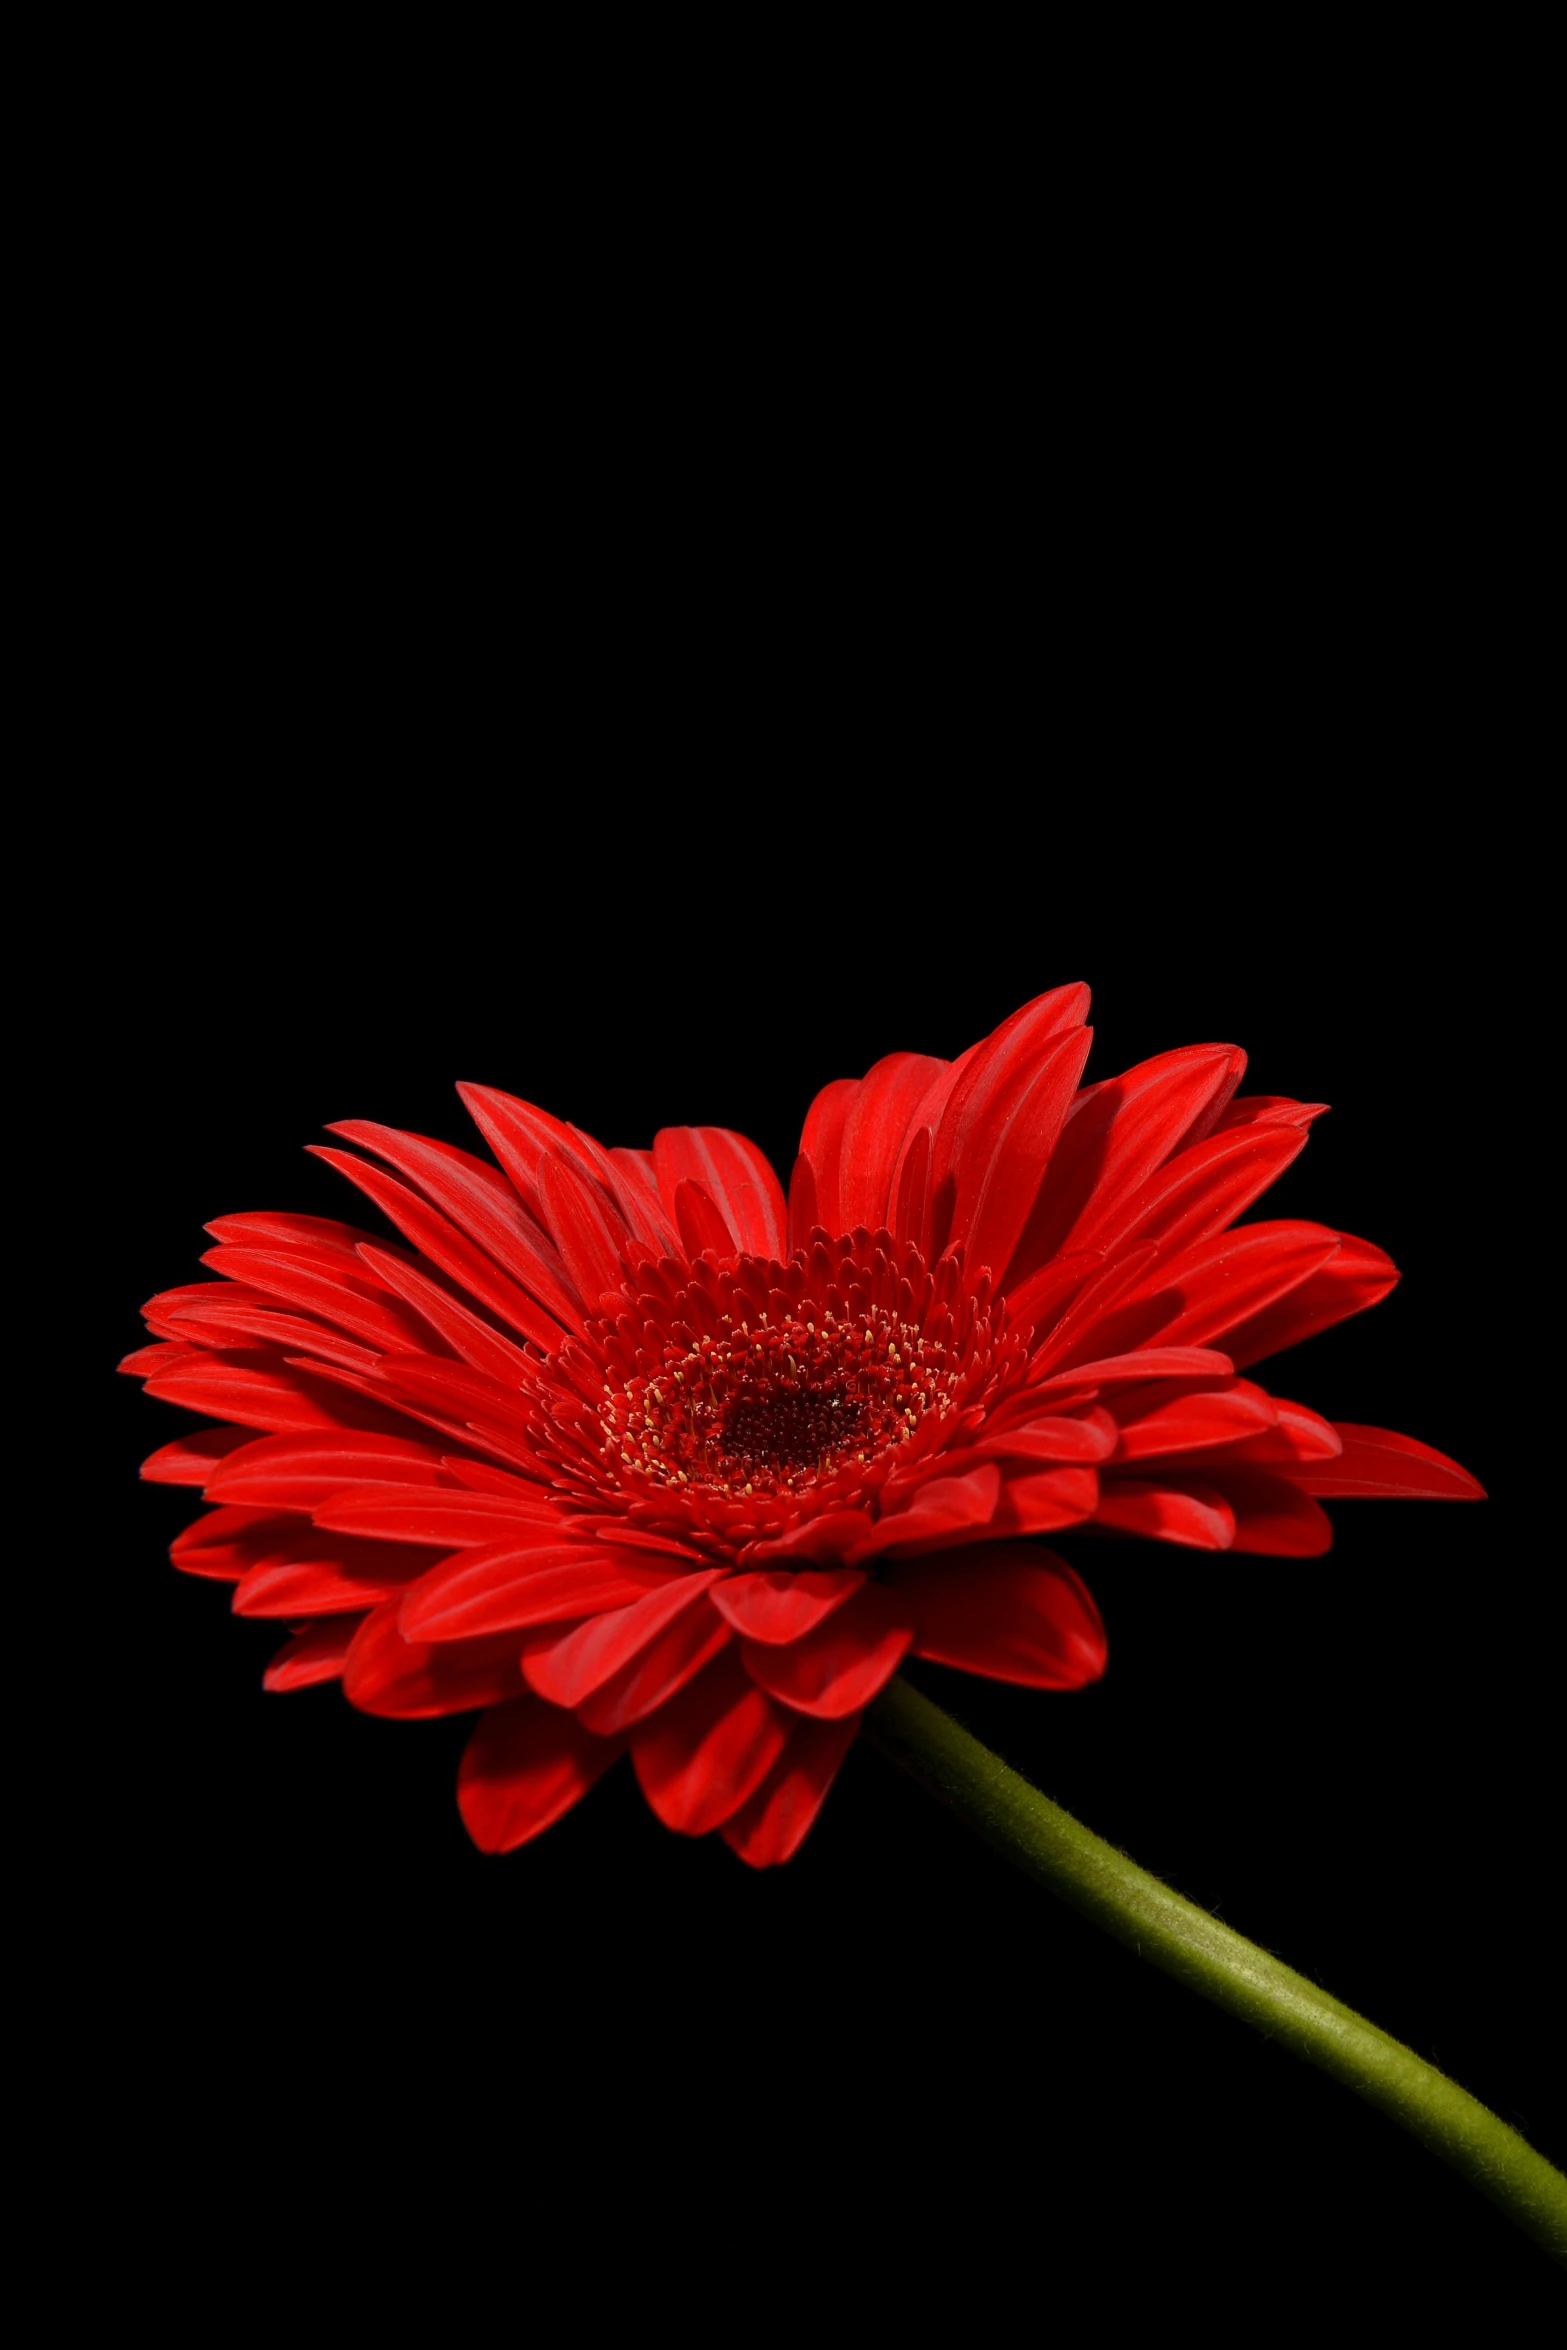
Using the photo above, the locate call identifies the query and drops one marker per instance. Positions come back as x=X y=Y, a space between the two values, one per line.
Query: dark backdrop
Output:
x=291 y=1943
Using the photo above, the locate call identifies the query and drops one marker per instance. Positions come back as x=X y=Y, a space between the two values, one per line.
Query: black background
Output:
x=450 y=694
x=299 y=1958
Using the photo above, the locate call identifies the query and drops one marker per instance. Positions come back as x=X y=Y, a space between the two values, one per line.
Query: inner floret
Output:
x=777 y=1406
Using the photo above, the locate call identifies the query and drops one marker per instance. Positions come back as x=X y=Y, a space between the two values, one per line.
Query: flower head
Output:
x=626 y=1450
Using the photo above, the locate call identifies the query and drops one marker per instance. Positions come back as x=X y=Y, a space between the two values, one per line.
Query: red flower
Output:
x=627 y=1452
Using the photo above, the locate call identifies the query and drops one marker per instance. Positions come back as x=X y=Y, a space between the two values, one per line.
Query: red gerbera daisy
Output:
x=626 y=1451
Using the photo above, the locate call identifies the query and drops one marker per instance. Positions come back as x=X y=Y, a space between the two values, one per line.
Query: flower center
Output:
x=729 y=1399
x=777 y=1407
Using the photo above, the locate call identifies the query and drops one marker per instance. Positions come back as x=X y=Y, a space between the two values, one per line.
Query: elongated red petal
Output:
x=345 y=1294
x=1131 y=1370
x=814 y=1542
x=1273 y=1517
x=711 y=1747
x=987 y=1067
x=385 y=1674
x=1091 y=1439
x=803 y=1216
x=514 y=1584
x=479 y=1202
x=873 y=1134
x=650 y=1680
x=837 y=1668
x=780 y=1606
x=305 y=1573
x=312 y=1656
x=1043 y=1501
x=438 y=1517
x=821 y=1142
x=1200 y=1191
x=224 y=1544
x=585 y=1659
x=1007 y=1150
x=586 y=1229
x=1207 y=1290
x=1376 y=1464
x=701 y=1220
x=441 y=1241
x=260 y=1392
x=477 y=1343
x=193 y=1459
x=524 y=1768
x=771 y=1826
x=736 y=1176
x=147 y=1361
x=1188 y=1423
x=297 y=1472
x=938 y=1510
x=1010 y=1610
x=1195 y=1515
x=1358 y=1275
x=1119 y=1134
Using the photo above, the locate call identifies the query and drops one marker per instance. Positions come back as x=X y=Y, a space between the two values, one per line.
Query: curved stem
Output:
x=1160 y=1925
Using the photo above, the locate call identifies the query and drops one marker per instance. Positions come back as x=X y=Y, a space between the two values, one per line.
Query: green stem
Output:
x=1047 y=1843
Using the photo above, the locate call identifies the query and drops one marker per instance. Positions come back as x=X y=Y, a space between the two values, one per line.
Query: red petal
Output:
x=312 y=1656
x=992 y=1068
x=311 y=1574
x=225 y=1544
x=1201 y=1191
x=1377 y=1463
x=821 y=1141
x=457 y=1255
x=585 y=1659
x=912 y=1193
x=1197 y=1516
x=701 y=1221
x=781 y=1607
x=343 y=1294
x=734 y=1174
x=709 y=1749
x=522 y=1136
x=385 y=1674
x=1007 y=1150
x=1129 y=1370
x=940 y=1509
x=1118 y=1135
x=1203 y=1293
x=1045 y=1500
x=189 y=1460
x=1090 y=1439
x=479 y=1202
x=1267 y=1109
x=803 y=1216
x=523 y=1769
x=515 y=1584
x=249 y=1326
x=837 y=1668
x=1272 y=1515
x=587 y=1229
x=148 y=1361
x=463 y=1331
x=259 y=1392
x=1009 y=1610
x=1357 y=1276
x=648 y=1681
x=873 y=1134
x=772 y=1825
x=439 y=1517
x=816 y=1541
x=1189 y=1423
x=298 y=1472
